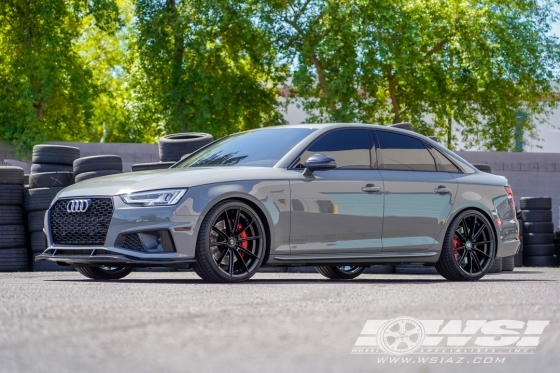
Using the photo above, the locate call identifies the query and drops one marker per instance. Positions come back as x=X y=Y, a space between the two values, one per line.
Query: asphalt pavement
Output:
x=276 y=322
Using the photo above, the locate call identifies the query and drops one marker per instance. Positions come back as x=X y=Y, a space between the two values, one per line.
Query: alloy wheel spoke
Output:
x=236 y=223
x=479 y=232
x=471 y=262
x=482 y=252
x=240 y=258
x=462 y=224
x=230 y=263
x=220 y=232
x=463 y=257
x=473 y=227
x=245 y=228
x=228 y=224
x=245 y=239
x=477 y=261
x=481 y=243
x=247 y=252
x=222 y=256
x=218 y=243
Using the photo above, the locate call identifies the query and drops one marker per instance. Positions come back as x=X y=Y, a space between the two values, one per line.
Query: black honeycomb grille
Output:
x=81 y=228
x=132 y=242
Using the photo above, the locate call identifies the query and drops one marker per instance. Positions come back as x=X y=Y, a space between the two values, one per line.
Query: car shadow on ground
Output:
x=280 y=281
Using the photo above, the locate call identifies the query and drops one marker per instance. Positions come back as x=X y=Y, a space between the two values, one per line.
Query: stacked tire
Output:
x=497 y=264
x=173 y=148
x=557 y=245
x=13 y=254
x=518 y=258
x=96 y=166
x=538 y=237
x=51 y=172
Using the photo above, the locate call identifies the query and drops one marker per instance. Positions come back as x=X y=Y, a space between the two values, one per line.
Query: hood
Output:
x=166 y=179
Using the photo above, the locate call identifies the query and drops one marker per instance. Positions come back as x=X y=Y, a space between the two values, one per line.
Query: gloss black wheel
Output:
x=468 y=249
x=347 y=272
x=231 y=243
x=104 y=272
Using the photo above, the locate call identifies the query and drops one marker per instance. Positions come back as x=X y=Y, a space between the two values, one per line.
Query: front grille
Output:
x=132 y=242
x=81 y=228
x=78 y=252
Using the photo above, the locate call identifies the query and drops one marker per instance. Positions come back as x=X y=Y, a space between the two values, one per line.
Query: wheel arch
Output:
x=486 y=215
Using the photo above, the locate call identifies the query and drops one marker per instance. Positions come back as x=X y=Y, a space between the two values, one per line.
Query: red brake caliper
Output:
x=456 y=245
x=243 y=244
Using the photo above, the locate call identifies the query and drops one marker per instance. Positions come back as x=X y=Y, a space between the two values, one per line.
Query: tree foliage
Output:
x=131 y=70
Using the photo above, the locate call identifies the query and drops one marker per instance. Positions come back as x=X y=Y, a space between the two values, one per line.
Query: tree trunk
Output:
x=394 y=99
x=323 y=83
x=177 y=64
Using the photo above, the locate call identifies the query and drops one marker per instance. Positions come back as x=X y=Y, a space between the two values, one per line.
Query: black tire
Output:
x=415 y=269
x=536 y=216
x=11 y=195
x=48 y=266
x=538 y=239
x=448 y=265
x=93 y=174
x=26 y=179
x=338 y=273
x=536 y=203
x=173 y=147
x=39 y=168
x=483 y=167
x=98 y=163
x=57 y=154
x=12 y=236
x=497 y=266
x=51 y=179
x=540 y=227
x=11 y=215
x=11 y=175
x=539 y=261
x=508 y=263
x=151 y=166
x=13 y=260
x=403 y=126
x=539 y=250
x=102 y=273
x=210 y=256
x=36 y=221
x=41 y=198
x=38 y=242
x=518 y=259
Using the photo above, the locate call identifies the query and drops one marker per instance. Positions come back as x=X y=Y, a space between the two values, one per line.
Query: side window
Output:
x=349 y=148
x=401 y=152
x=442 y=162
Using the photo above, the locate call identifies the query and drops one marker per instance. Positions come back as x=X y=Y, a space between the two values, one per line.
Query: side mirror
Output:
x=318 y=162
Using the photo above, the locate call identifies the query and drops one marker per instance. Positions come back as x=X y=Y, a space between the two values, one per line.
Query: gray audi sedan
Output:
x=339 y=197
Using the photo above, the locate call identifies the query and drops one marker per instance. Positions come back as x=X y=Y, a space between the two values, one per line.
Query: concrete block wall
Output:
x=529 y=174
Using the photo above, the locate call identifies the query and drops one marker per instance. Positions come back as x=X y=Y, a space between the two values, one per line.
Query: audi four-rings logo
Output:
x=78 y=205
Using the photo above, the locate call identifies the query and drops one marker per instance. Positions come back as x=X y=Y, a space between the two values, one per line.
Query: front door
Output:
x=341 y=210
x=419 y=195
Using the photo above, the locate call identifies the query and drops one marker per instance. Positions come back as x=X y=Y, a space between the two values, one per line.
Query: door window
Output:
x=442 y=163
x=349 y=148
x=402 y=152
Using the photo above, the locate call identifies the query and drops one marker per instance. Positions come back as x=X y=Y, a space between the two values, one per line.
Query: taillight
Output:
x=509 y=193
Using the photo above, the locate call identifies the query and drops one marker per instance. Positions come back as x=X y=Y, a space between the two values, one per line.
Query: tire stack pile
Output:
x=13 y=254
x=538 y=237
x=51 y=172
x=96 y=166
x=173 y=147
x=498 y=264
x=518 y=258
x=557 y=245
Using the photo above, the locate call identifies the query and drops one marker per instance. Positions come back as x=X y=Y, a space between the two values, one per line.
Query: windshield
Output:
x=259 y=148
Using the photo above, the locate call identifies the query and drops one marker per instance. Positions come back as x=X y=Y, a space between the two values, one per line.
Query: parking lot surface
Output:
x=276 y=322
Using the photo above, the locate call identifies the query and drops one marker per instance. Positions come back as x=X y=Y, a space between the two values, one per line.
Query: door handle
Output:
x=371 y=189
x=442 y=189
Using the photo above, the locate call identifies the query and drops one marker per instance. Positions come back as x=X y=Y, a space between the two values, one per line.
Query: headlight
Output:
x=166 y=197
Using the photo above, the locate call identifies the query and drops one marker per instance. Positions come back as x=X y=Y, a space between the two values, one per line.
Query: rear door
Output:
x=419 y=195
x=341 y=210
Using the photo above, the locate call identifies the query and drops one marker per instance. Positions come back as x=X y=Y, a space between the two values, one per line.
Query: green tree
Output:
x=204 y=66
x=45 y=89
x=473 y=64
